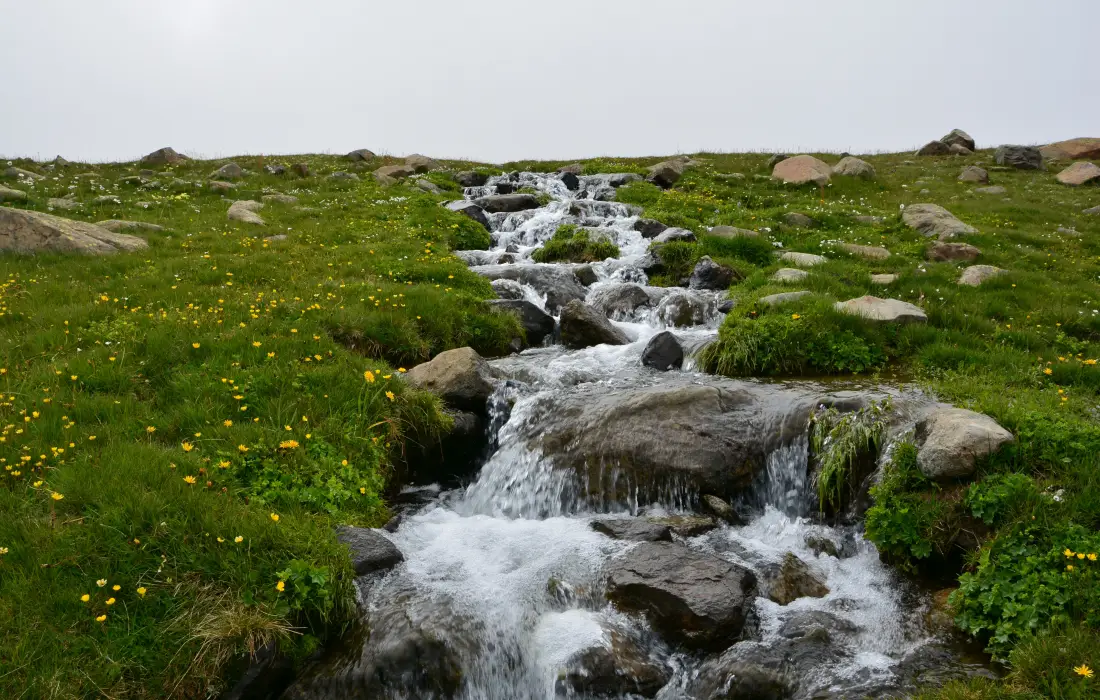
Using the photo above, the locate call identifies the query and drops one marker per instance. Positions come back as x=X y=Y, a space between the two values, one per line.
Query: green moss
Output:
x=572 y=244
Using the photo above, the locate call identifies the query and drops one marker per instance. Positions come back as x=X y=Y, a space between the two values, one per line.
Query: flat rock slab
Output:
x=943 y=251
x=932 y=220
x=1080 y=174
x=118 y=225
x=280 y=198
x=1073 y=149
x=801 y=170
x=782 y=298
x=370 y=550
x=7 y=194
x=632 y=529
x=951 y=440
x=886 y=310
x=995 y=189
x=732 y=232
x=507 y=202
x=245 y=211
x=976 y=274
x=30 y=232
x=803 y=259
x=868 y=252
x=973 y=173
x=789 y=274
x=884 y=279
x=63 y=204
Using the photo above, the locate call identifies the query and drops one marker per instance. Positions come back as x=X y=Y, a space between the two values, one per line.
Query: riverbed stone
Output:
x=696 y=600
x=884 y=310
x=934 y=221
x=620 y=301
x=558 y=283
x=29 y=232
x=620 y=668
x=974 y=275
x=1080 y=174
x=674 y=234
x=711 y=275
x=511 y=203
x=973 y=173
x=537 y=324
x=682 y=309
x=583 y=326
x=1019 y=157
x=793 y=580
x=460 y=377
x=371 y=551
x=649 y=228
x=663 y=352
x=472 y=211
x=632 y=529
x=471 y=178
x=851 y=166
x=951 y=440
x=801 y=170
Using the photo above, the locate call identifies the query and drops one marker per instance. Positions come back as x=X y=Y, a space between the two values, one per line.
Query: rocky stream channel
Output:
x=594 y=554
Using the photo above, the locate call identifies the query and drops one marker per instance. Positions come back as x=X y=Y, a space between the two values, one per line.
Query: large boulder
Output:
x=371 y=551
x=796 y=219
x=360 y=154
x=854 y=167
x=1020 y=157
x=620 y=301
x=245 y=211
x=974 y=275
x=494 y=203
x=21 y=174
x=583 y=326
x=935 y=148
x=884 y=310
x=460 y=377
x=1073 y=149
x=932 y=220
x=471 y=178
x=951 y=440
x=739 y=680
x=666 y=174
x=7 y=194
x=973 y=173
x=1080 y=174
x=163 y=156
x=470 y=210
x=421 y=164
x=31 y=232
x=960 y=138
x=557 y=283
x=621 y=667
x=710 y=275
x=390 y=174
x=663 y=352
x=506 y=289
x=229 y=171
x=801 y=170
x=693 y=599
x=537 y=324
x=793 y=580
x=941 y=251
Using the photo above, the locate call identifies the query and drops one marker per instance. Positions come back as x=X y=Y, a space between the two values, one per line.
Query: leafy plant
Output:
x=843 y=444
x=998 y=495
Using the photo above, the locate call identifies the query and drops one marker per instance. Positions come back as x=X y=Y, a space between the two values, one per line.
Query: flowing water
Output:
x=503 y=578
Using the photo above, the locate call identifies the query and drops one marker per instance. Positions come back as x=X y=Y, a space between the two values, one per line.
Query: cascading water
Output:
x=502 y=587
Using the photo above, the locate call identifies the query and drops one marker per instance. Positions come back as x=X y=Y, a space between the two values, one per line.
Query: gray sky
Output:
x=499 y=80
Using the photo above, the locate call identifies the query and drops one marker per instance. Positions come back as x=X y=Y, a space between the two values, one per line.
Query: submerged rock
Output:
x=795 y=580
x=633 y=529
x=558 y=283
x=683 y=309
x=620 y=301
x=619 y=668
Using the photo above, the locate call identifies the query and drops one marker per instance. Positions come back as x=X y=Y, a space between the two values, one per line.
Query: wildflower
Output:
x=288 y=444
x=101 y=582
x=389 y=395
x=363 y=490
x=116 y=587
x=101 y=618
x=795 y=317
x=238 y=539
x=402 y=370
x=1069 y=567
x=220 y=540
x=1092 y=557
x=242 y=448
x=195 y=345
x=57 y=496
x=141 y=591
x=1068 y=552
x=85 y=598
x=187 y=447
x=275 y=517
x=189 y=479
x=110 y=601
x=256 y=343
x=227 y=423
x=151 y=429
x=1083 y=670
x=224 y=464
x=1080 y=555
x=280 y=586
x=369 y=376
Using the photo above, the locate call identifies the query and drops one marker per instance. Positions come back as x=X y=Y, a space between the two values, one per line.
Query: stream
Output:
x=502 y=592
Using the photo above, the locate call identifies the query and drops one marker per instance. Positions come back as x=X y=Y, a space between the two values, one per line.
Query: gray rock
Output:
x=726 y=305
x=649 y=228
x=789 y=274
x=868 y=252
x=507 y=202
x=802 y=259
x=666 y=174
x=275 y=169
x=801 y=170
x=796 y=220
x=370 y=550
x=732 y=232
x=163 y=156
x=559 y=284
x=885 y=310
x=21 y=174
x=620 y=301
x=360 y=154
x=621 y=668
x=854 y=167
x=390 y=174
x=960 y=138
x=620 y=179
x=973 y=173
x=219 y=187
x=571 y=181
x=795 y=580
x=421 y=164
x=229 y=171
x=508 y=289
x=118 y=225
x=1094 y=211
x=107 y=200
x=675 y=234
x=460 y=377
x=951 y=440
x=575 y=169
x=1080 y=174
x=277 y=238
x=56 y=203
x=583 y=326
x=935 y=148
x=1019 y=157
x=280 y=198
x=586 y=275
x=245 y=211
x=470 y=210
x=995 y=189
x=683 y=309
x=720 y=509
x=739 y=680
x=776 y=159
x=7 y=194
x=782 y=298
x=815 y=623
x=884 y=279
x=974 y=275
x=536 y=323
x=933 y=220
x=428 y=186
x=341 y=176
x=686 y=525
x=960 y=150
x=29 y=232
x=471 y=178
x=710 y=275
x=632 y=529
x=663 y=352
x=693 y=599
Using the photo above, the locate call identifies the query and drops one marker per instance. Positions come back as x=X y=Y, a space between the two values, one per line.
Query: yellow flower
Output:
x=280 y=586
x=1080 y=555
x=1048 y=371
x=1092 y=557
x=389 y=395
x=363 y=489
x=57 y=496
x=288 y=444
x=227 y=423
x=101 y=618
x=256 y=343
x=795 y=317
x=220 y=540
x=402 y=370
x=1083 y=670
x=116 y=587
x=141 y=591
x=242 y=448
x=85 y=598
x=224 y=464
x=238 y=539
x=195 y=345
x=101 y=582
x=187 y=447
x=369 y=376
x=151 y=429
x=110 y=601
x=189 y=479
x=1069 y=567
x=1068 y=552
x=275 y=517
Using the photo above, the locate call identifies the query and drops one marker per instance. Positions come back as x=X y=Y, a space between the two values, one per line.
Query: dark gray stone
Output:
x=710 y=275
x=633 y=529
x=470 y=210
x=507 y=202
x=556 y=282
x=649 y=228
x=620 y=301
x=1019 y=157
x=536 y=323
x=663 y=352
x=370 y=550
x=583 y=326
x=471 y=178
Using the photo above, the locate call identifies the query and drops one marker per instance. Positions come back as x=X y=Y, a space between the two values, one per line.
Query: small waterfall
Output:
x=784 y=483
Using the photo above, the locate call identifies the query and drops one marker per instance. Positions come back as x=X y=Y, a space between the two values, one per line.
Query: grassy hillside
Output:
x=266 y=373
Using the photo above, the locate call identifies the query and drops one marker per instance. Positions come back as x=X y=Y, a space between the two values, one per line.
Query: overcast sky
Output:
x=499 y=80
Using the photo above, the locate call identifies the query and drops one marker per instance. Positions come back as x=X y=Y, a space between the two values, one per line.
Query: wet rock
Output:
x=583 y=326
x=229 y=171
x=801 y=170
x=477 y=257
x=370 y=551
x=815 y=624
x=360 y=154
x=571 y=181
x=163 y=156
x=1073 y=149
x=537 y=324
x=795 y=580
x=287 y=199
x=693 y=599
x=30 y=232
x=739 y=680
x=935 y=148
x=802 y=259
x=884 y=279
x=710 y=275
x=726 y=305
x=633 y=529
x=675 y=234
x=421 y=164
x=796 y=220
x=620 y=179
x=951 y=440
x=666 y=174
x=885 y=310
x=720 y=509
x=470 y=210
x=996 y=189
x=460 y=377
x=471 y=178
x=854 y=167
x=974 y=275
x=663 y=352
x=782 y=298
x=682 y=309
x=822 y=545
x=732 y=232
x=620 y=668
x=245 y=211
x=960 y=138
x=505 y=187
x=118 y=225
x=649 y=228
x=8 y=194
x=620 y=301
x=944 y=252
x=507 y=202
x=57 y=203
x=868 y=252
x=973 y=173
x=933 y=220
x=789 y=274
x=686 y=525
x=1019 y=157
x=585 y=275
x=1080 y=174
x=559 y=284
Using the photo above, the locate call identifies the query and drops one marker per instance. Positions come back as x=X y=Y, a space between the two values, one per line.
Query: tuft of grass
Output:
x=845 y=447
x=572 y=244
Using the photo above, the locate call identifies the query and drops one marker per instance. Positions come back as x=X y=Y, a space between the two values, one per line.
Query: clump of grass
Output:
x=572 y=244
x=844 y=445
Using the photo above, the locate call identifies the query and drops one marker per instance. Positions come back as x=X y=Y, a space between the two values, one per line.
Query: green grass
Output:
x=240 y=363
x=572 y=244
